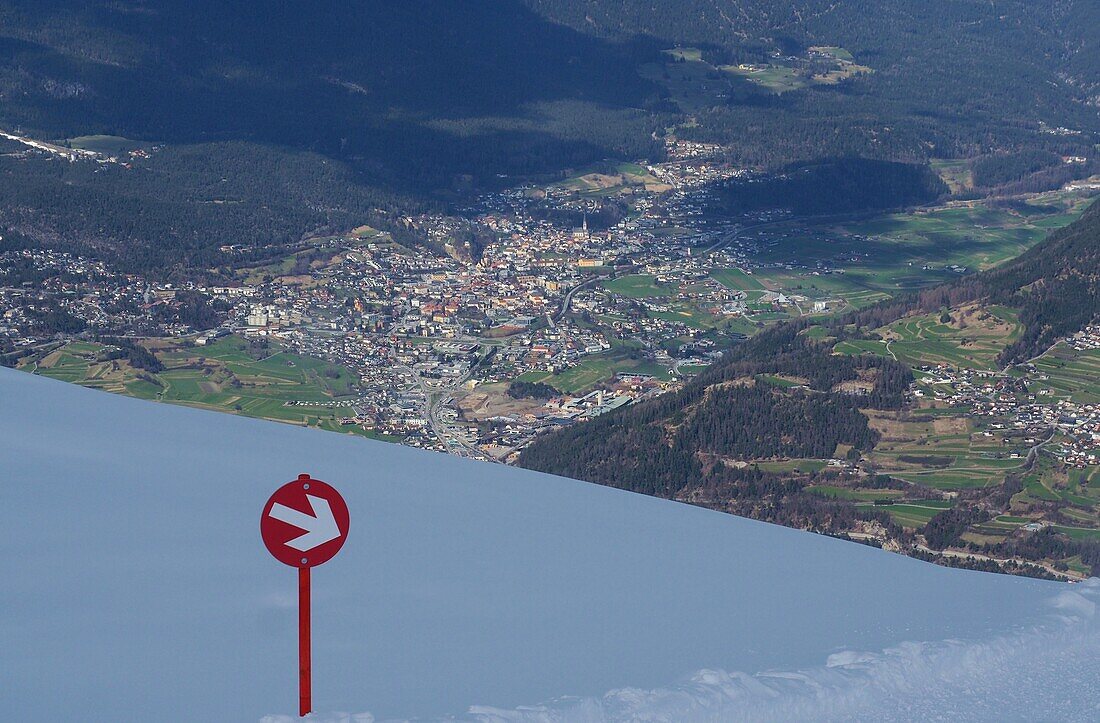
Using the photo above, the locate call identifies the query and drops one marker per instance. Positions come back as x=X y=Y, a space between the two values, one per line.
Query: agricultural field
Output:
x=596 y=369
x=613 y=180
x=638 y=286
x=107 y=145
x=864 y=261
x=228 y=375
x=832 y=51
x=736 y=279
x=1048 y=482
x=776 y=78
x=793 y=465
x=780 y=78
x=1064 y=373
x=945 y=453
x=858 y=495
x=977 y=235
x=855 y=264
x=914 y=514
x=972 y=337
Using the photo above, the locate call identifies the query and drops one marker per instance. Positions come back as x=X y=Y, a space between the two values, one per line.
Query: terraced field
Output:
x=942 y=453
x=1078 y=487
x=971 y=339
x=915 y=514
x=1069 y=374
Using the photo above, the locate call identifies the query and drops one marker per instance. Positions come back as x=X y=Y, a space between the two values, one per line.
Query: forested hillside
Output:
x=359 y=112
x=951 y=77
x=169 y=213
x=265 y=122
x=785 y=395
x=841 y=186
x=410 y=94
x=732 y=412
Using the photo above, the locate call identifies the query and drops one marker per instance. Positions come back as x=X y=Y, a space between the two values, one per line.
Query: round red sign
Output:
x=305 y=522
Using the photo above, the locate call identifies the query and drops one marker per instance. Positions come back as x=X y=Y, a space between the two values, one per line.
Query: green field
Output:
x=611 y=179
x=783 y=78
x=638 y=286
x=1078 y=533
x=940 y=452
x=977 y=237
x=793 y=465
x=596 y=369
x=873 y=258
x=736 y=279
x=107 y=145
x=912 y=515
x=845 y=493
x=861 y=346
x=972 y=339
x=1069 y=374
x=776 y=78
x=225 y=375
x=780 y=381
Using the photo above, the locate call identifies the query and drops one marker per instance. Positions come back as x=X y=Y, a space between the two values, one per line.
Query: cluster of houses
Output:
x=1024 y=410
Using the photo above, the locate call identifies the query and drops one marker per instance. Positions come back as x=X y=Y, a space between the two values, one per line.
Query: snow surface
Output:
x=136 y=588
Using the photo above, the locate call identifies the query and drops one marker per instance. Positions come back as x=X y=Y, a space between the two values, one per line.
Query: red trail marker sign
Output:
x=304 y=524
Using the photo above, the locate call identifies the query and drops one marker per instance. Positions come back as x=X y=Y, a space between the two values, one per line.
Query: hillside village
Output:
x=423 y=330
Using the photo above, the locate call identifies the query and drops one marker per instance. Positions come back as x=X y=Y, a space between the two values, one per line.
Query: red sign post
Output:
x=304 y=524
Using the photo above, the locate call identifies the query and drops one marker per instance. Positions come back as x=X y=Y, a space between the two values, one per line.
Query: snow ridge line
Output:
x=1047 y=671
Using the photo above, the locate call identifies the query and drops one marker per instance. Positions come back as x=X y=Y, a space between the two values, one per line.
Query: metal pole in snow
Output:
x=314 y=508
x=305 y=702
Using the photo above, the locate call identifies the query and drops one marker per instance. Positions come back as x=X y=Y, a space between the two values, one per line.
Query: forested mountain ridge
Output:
x=349 y=80
x=353 y=112
x=1055 y=40
x=385 y=109
x=380 y=83
x=732 y=411
x=950 y=78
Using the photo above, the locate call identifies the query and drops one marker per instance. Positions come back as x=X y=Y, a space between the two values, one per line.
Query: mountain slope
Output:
x=786 y=395
x=1056 y=285
x=137 y=586
x=382 y=110
x=353 y=113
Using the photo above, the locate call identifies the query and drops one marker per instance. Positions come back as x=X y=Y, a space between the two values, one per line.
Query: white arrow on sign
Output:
x=320 y=527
